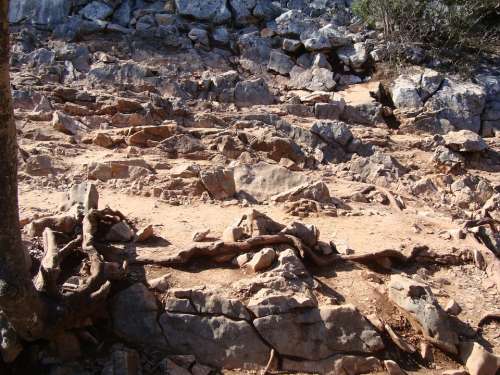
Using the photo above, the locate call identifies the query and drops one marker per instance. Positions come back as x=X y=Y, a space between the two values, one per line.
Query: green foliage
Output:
x=441 y=25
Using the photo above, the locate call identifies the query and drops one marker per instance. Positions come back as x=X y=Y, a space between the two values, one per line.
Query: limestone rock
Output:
x=67 y=124
x=219 y=182
x=464 y=141
x=417 y=300
x=317 y=191
x=477 y=360
x=261 y=181
x=135 y=317
x=252 y=92
x=280 y=63
x=215 y=340
x=316 y=334
x=261 y=260
x=206 y=10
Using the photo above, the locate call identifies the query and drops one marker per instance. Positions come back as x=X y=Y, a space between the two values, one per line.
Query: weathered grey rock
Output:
x=316 y=334
x=314 y=79
x=317 y=191
x=329 y=111
x=217 y=341
x=84 y=195
x=417 y=300
x=252 y=92
x=320 y=60
x=76 y=27
x=280 y=63
x=405 y=94
x=464 y=141
x=477 y=360
x=380 y=169
x=43 y=12
x=242 y=10
x=206 y=10
x=123 y=14
x=67 y=124
x=39 y=165
x=339 y=364
x=120 y=232
x=209 y=301
x=96 y=10
x=221 y=35
x=333 y=132
x=254 y=52
x=219 y=182
x=291 y=45
x=261 y=181
x=443 y=155
x=429 y=82
x=199 y=35
x=135 y=317
x=308 y=233
x=325 y=38
x=293 y=23
x=458 y=105
x=261 y=260
x=354 y=56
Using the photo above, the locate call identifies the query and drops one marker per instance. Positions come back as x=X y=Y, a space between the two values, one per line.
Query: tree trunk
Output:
x=18 y=298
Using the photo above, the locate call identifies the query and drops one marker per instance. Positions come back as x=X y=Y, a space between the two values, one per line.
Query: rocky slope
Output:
x=344 y=221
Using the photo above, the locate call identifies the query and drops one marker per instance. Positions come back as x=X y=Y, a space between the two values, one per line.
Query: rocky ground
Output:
x=358 y=210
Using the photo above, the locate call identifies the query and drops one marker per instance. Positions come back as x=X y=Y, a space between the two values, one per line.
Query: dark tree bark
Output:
x=18 y=298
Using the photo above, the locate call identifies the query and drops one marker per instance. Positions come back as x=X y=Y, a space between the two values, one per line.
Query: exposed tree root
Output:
x=216 y=249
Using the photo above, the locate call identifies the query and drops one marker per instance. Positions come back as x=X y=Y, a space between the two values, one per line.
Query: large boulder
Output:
x=215 y=340
x=417 y=300
x=135 y=317
x=316 y=334
x=458 y=105
x=206 y=10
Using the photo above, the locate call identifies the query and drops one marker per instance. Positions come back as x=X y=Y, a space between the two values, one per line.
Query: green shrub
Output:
x=442 y=26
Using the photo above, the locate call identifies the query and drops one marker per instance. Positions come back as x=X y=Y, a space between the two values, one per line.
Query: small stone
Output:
x=120 y=232
x=232 y=234
x=393 y=368
x=103 y=140
x=201 y=235
x=145 y=233
x=242 y=259
x=453 y=308
x=161 y=283
x=261 y=260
